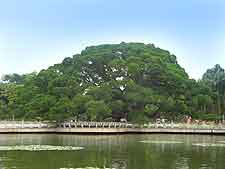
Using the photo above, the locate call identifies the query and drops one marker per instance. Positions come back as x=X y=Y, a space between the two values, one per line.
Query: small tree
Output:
x=97 y=110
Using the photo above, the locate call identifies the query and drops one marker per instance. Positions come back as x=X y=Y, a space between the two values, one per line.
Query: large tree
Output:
x=135 y=81
x=215 y=79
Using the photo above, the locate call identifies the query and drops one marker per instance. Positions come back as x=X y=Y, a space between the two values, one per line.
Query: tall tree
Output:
x=215 y=79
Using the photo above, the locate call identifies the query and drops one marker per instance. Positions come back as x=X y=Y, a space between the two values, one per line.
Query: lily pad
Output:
x=161 y=142
x=88 y=168
x=209 y=145
x=39 y=148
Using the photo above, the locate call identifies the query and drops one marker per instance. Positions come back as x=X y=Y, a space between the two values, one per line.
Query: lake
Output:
x=155 y=151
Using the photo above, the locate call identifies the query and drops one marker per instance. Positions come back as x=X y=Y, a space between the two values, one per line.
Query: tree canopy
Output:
x=135 y=81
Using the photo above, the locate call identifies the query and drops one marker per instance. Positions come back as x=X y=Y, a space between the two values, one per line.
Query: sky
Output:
x=35 y=34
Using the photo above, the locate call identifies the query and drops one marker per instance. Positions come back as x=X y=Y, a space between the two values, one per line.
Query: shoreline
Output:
x=99 y=131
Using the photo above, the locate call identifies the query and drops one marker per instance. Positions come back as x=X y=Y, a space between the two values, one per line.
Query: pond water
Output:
x=155 y=151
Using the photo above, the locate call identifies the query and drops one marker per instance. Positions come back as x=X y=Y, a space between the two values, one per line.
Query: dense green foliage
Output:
x=215 y=79
x=108 y=82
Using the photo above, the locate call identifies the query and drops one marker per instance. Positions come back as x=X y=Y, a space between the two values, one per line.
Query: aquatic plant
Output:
x=88 y=168
x=161 y=142
x=209 y=145
x=39 y=148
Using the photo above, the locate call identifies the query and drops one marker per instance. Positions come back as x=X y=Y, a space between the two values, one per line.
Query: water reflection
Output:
x=116 y=151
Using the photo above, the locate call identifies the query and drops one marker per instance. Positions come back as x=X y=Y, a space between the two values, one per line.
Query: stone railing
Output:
x=95 y=125
x=24 y=124
x=130 y=125
x=185 y=126
x=33 y=124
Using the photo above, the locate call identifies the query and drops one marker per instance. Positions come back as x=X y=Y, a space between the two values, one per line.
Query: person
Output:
x=189 y=119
